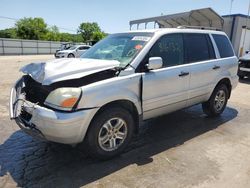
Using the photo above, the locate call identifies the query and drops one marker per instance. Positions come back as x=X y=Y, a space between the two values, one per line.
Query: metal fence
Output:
x=25 y=47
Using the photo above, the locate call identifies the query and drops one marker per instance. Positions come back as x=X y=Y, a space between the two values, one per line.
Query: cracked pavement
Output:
x=182 y=149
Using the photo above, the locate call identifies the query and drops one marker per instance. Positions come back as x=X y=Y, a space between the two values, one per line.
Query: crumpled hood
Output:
x=66 y=69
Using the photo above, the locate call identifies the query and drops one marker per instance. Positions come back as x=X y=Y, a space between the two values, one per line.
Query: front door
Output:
x=166 y=89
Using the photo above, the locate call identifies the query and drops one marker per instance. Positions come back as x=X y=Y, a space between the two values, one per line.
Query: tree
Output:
x=31 y=28
x=8 y=33
x=98 y=35
x=53 y=34
x=37 y=29
x=65 y=37
x=87 y=29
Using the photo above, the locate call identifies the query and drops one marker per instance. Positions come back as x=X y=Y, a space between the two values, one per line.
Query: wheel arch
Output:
x=124 y=103
x=227 y=82
x=71 y=54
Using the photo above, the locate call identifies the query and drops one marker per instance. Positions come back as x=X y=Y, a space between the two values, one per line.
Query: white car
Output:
x=74 y=51
x=126 y=78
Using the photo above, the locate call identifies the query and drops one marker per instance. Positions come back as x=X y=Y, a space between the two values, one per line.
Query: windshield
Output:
x=120 y=47
x=72 y=47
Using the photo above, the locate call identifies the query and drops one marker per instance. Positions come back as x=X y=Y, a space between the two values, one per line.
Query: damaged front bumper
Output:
x=48 y=124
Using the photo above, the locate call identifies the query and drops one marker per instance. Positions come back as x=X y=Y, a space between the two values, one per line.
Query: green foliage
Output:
x=90 y=31
x=31 y=28
x=53 y=34
x=8 y=33
x=98 y=35
x=67 y=37
x=37 y=29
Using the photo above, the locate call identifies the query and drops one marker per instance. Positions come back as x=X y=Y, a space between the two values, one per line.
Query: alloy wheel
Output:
x=219 y=100
x=112 y=134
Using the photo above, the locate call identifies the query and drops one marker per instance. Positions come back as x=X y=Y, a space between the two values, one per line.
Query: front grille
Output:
x=25 y=115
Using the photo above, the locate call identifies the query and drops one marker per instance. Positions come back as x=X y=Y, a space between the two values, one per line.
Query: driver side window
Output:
x=170 y=49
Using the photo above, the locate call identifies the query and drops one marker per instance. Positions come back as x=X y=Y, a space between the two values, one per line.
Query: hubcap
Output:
x=112 y=134
x=220 y=100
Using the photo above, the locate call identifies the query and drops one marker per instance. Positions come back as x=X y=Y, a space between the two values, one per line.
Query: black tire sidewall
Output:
x=212 y=99
x=92 y=135
x=71 y=56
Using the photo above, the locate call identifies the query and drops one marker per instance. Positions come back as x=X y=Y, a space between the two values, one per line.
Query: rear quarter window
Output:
x=223 y=45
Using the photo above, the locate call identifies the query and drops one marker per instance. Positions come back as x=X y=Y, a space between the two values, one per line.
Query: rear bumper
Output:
x=48 y=124
x=242 y=71
x=244 y=68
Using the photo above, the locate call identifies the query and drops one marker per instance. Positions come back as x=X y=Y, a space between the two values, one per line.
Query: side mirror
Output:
x=154 y=63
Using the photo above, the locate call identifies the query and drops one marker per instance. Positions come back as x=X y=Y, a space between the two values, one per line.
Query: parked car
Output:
x=73 y=51
x=101 y=98
x=64 y=46
x=244 y=66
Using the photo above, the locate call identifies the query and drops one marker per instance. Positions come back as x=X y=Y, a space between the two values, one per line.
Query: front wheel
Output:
x=71 y=56
x=110 y=132
x=217 y=102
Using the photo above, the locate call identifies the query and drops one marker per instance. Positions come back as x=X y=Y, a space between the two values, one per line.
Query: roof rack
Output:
x=198 y=27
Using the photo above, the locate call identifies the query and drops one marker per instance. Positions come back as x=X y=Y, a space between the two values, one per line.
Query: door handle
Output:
x=183 y=73
x=216 y=67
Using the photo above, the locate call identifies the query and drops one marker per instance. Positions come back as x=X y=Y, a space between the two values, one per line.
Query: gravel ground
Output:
x=182 y=149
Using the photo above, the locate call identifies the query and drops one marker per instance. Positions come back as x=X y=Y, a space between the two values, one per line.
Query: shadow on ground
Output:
x=31 y=162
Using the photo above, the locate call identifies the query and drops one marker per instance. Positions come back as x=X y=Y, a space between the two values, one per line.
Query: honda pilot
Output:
x=102 y=98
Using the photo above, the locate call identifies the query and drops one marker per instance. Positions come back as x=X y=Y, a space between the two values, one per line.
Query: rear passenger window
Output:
x=198 y=47
x=170 y=49
x=223 y=46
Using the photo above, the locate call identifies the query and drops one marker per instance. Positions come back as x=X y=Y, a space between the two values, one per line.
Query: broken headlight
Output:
x=63 y=98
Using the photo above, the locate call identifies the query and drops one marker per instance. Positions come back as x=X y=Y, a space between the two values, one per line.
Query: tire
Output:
x=71 y=56
x=217 y=102
x=101 y=139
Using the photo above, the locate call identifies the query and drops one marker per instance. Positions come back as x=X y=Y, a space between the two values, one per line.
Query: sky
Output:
x=112 y=15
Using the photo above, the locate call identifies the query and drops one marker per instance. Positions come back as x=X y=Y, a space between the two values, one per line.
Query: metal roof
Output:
x=206 y=17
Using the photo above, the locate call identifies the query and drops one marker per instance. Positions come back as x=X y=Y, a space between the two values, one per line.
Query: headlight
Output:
x=63 y=98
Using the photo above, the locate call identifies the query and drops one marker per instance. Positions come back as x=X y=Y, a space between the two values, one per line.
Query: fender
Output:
x=118 y=88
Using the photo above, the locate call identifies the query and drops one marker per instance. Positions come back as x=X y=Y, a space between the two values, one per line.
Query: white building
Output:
x=237 y=26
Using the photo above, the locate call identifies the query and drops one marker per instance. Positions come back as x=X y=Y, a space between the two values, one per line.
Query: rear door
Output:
x=203 y=66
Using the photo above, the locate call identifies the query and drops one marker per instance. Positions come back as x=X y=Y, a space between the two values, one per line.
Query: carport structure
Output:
x=205 y=17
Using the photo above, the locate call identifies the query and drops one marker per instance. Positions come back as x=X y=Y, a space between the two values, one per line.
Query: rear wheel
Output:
x=217 y=102
x=110 y=132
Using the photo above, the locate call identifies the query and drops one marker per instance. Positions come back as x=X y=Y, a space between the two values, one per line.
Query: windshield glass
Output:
x=72 y=47
x=120 y=47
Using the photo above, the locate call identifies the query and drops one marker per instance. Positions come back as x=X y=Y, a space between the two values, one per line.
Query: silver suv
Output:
x=101 y=98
